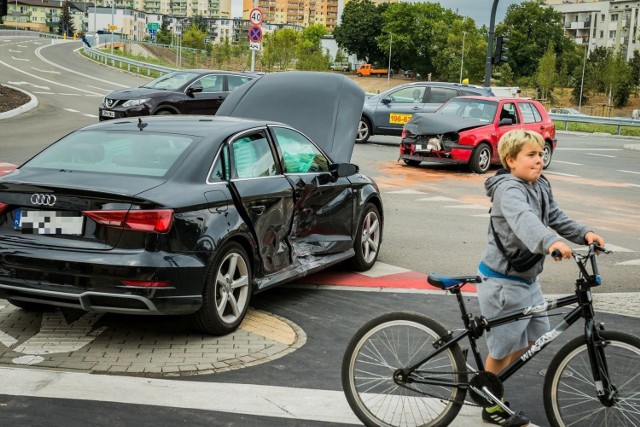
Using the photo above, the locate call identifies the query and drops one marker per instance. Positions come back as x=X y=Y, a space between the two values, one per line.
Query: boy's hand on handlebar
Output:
x=562 y=251
x=592 y=237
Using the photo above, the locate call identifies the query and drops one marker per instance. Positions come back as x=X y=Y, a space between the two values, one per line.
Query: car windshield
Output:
x=470 y=109
x=171 y=81
x=122 y=153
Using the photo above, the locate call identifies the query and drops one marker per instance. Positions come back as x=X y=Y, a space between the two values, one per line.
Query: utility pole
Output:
x=464 y=33
x=488 y=63
x=113 y=9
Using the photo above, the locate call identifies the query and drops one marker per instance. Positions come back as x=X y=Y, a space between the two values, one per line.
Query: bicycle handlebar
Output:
x=581 y=260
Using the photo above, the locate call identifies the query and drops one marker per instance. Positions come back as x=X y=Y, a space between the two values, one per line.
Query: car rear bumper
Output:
x=93 y=281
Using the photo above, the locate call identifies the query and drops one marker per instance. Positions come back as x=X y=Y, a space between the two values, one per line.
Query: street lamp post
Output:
x=113 y=9
x=584 y=65
x=389 y=70
x=16 y=15
x=464 y=33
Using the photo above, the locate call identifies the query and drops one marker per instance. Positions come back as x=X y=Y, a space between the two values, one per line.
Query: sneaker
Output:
x=496 y=415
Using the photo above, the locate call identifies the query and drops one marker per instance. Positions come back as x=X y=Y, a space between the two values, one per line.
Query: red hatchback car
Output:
x=467 y=130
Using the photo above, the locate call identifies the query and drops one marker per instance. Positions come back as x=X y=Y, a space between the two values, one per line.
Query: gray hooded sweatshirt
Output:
x=522 y=215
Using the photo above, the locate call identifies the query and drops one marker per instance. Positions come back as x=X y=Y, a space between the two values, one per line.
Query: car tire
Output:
x=164 y=113
x=30 y=306
x=547 y=153
x=481 y=159
x=411 y=162
x=359 y=74
x=226 y=293
x=364 y=130
x=368 y=237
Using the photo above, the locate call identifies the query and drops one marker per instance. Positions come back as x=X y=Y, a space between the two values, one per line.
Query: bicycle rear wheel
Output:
x=386 y=344
x=570 y=392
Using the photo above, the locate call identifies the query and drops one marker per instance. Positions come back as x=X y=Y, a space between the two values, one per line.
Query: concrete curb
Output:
x=635 y=147
x=33 y=103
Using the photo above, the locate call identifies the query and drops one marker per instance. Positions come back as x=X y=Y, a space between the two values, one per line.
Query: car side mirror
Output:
x=506 y=121
x=386 y=100
x=193 y=89
x=339 y=170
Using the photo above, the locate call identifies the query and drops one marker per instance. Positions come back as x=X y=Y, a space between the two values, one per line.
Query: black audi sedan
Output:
x=193 y=214
x=178 y=92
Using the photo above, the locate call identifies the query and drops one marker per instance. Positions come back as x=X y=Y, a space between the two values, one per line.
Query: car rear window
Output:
x=440 y=95
x=530 y=113
x=120 y=153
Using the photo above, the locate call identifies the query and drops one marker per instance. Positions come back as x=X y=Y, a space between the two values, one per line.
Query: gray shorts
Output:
x=501 y=296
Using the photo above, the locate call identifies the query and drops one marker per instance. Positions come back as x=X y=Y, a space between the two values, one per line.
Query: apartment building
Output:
x=300 y=13
x=610 y=24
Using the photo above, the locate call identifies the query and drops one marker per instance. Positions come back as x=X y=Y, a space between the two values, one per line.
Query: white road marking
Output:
x=45 y=71
x=20 y=59
x=19 y=45
x=633 y=185
x=608 y=246
x=601 y=155
x=561 y=174
x=380 y=269
x=72 y=110
x=625 y=171
x=69 y=94
x=27 y=83
x=91 y=115
x=7 y=340
x=43 y=79
x=250 y=399
x=483 y=215
x=631 y=262
x=437 y=199
x=44 y=93
x=567 y=163
x=15 y=51
x=99 y=88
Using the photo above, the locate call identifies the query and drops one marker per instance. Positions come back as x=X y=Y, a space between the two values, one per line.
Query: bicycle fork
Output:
x=605 y=391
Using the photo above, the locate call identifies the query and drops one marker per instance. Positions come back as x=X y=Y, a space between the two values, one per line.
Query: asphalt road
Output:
x=435 y=221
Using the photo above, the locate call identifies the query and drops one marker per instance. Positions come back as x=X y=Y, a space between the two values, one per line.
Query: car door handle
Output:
x=258 y=209
x=541 y=127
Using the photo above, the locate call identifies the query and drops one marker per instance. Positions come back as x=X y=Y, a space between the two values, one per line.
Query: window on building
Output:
x=602 y=17
x=601 y=34
x=612 y=34
x=614 y=17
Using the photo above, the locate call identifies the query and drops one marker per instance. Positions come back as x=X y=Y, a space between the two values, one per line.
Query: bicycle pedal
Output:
x=516 y=420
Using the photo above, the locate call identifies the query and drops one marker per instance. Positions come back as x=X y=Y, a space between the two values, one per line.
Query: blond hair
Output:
x=511 y=143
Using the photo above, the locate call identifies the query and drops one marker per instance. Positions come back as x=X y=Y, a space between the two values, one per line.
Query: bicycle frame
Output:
x=475 y=327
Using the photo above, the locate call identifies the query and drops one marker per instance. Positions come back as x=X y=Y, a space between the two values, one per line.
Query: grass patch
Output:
x=597 y=128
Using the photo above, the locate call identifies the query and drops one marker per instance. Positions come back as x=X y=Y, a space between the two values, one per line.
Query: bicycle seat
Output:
x=448 y=282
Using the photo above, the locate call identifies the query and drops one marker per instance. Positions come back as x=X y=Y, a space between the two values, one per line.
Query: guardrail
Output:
x=105 y=58
x=28 y=33
x=619 y=122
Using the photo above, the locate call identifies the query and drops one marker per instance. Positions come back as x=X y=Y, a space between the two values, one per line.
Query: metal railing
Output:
x=122 y=62
x=618 y=122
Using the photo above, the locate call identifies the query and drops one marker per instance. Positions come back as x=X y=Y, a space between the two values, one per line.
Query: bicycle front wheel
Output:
x=388 y=343
x=570 y=392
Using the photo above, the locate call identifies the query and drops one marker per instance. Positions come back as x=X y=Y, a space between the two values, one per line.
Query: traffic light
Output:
x=498 y=55
x=3 y=8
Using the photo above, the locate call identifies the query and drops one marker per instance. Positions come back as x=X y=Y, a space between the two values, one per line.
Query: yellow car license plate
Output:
x=399 y=118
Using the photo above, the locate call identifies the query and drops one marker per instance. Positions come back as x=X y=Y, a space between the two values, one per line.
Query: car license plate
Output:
x=399 y=118
x=107 y=113
x=418 y=147
x=48 y=222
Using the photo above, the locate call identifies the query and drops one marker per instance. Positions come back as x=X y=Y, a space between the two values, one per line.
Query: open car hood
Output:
x=324 y=106
x=434 y=123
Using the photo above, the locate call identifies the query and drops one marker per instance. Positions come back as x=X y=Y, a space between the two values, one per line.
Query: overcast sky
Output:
x=478 y=10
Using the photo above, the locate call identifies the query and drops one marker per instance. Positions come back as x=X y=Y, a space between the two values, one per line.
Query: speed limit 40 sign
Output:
x=255 y=16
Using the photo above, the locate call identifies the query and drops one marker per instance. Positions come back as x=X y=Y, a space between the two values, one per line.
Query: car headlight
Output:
x=134 y=102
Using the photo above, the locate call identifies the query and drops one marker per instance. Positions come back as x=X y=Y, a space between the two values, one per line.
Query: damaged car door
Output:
x=323 y=208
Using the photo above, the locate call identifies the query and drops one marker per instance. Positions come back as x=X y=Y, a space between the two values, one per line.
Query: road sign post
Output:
x=255 y=34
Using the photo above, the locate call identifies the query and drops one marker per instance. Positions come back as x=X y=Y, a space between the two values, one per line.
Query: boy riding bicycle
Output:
x=523 y=210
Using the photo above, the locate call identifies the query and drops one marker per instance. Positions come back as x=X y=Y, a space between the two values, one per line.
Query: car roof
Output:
x=496 y=98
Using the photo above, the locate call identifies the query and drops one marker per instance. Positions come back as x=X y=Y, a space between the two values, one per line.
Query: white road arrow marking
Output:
x=632 y=262
x=30 y=84
x=622 y=170
x=15 y=51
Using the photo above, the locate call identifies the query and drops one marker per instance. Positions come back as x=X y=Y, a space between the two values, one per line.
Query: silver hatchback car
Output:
x=387 y=112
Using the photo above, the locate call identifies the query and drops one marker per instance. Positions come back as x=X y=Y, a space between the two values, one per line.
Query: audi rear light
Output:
x=157 y=221
x=146 y=284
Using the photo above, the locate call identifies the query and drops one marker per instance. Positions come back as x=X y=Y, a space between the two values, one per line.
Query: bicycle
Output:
x=406 y=369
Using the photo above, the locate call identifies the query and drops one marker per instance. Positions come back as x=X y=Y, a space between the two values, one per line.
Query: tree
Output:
x=361 y=23
x=530 y=26
x=164 y=36
x=279 y=49
x=546 y=73
x=201 y=23
x=65 y=24
x=193 y=37
x=310 y=55
x=617 y=79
